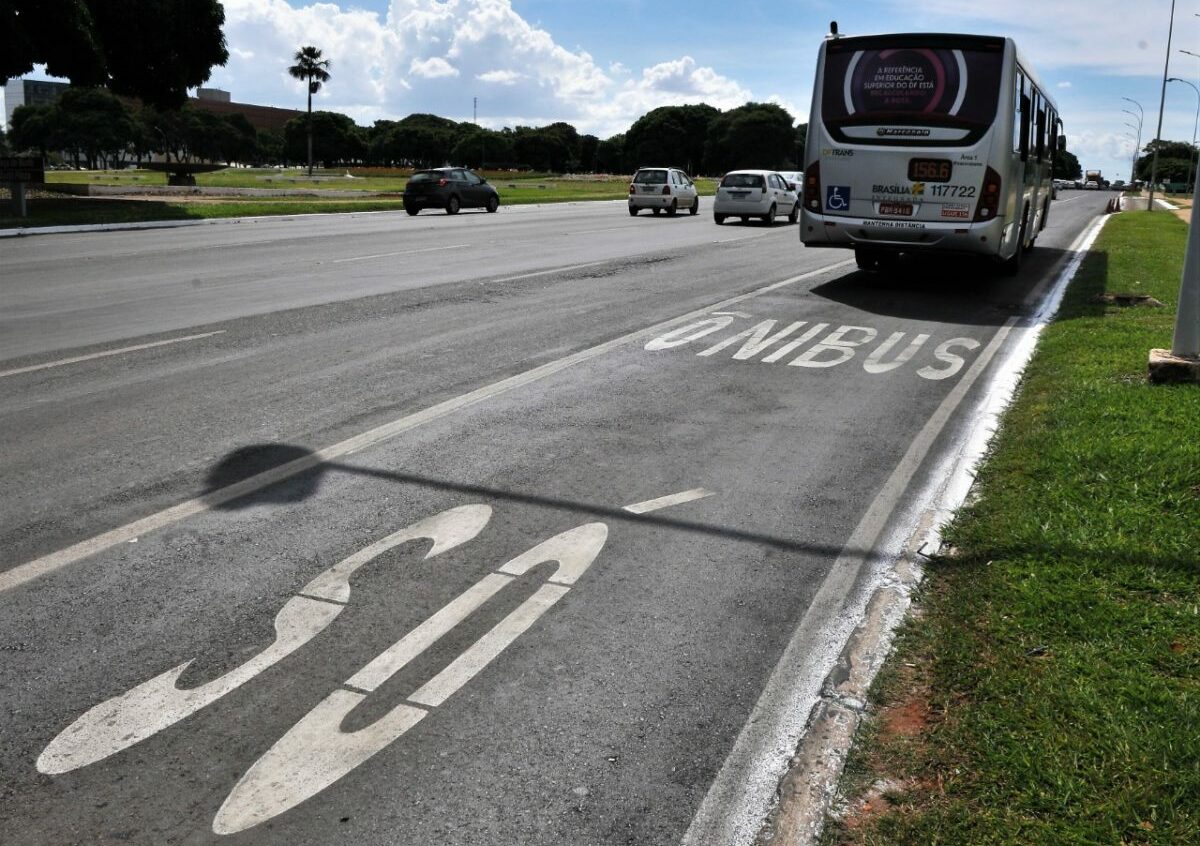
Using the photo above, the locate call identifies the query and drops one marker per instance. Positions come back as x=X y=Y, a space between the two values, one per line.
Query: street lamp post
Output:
x=1195 y=124
x=1162 y=104
x=1137 y=146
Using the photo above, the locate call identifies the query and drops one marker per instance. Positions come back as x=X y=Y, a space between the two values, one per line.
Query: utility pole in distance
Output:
x=1162 y=103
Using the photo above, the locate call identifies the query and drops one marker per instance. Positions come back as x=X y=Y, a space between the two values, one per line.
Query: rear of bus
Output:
x=907 y=145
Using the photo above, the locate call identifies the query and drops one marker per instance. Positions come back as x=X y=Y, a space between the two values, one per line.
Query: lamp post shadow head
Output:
x=245 y=463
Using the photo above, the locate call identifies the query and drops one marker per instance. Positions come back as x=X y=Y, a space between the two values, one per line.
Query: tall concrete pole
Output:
x=1186 y=342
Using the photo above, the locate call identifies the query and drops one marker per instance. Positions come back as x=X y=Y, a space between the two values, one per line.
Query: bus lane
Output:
x=544 y=616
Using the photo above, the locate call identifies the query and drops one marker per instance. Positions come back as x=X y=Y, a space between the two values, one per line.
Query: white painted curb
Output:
x=809 y=788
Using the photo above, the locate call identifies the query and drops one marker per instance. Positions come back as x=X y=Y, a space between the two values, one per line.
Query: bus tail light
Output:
x=989 y=199
x=812 y=187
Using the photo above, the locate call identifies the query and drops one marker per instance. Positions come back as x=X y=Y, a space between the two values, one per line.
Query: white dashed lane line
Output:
x=106 y=353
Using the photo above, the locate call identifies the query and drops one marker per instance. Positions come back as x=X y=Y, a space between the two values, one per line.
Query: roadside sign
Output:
x=27 y=169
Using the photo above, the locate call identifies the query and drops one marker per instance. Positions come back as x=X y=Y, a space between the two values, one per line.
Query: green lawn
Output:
x=514 y=189
x=1049 y=690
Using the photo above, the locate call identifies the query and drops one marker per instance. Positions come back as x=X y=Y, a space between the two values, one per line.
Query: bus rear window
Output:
x=742 y=180
x=650 y=177
x=909 y=81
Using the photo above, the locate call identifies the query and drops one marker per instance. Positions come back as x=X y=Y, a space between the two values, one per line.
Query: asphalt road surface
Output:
x=488 y=529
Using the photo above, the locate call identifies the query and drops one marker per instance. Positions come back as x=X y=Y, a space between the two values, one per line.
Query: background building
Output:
x=38 y=92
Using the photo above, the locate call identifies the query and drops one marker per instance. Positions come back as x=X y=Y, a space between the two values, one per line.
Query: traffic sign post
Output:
x=17 y=172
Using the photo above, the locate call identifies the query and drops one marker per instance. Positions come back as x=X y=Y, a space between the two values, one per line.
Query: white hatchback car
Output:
x=661 y=189
x=764 y=194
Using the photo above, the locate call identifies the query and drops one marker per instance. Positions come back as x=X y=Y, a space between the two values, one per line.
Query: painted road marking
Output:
x=733 y=810
x=47 y=564
x=400 y=253
x=316 y=752
x=106 y=353
x=667 y=501
x=834 y=348
x=157 y=704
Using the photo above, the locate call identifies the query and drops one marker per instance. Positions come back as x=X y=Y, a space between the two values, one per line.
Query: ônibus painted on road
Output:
x=927 y=143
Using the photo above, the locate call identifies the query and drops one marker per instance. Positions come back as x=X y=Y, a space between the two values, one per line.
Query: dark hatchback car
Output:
x=449 y=188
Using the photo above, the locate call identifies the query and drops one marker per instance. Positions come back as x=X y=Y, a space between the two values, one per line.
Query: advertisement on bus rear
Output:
x=911 y=85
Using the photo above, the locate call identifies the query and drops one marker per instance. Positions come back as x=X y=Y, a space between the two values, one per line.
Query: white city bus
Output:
x=927 y=143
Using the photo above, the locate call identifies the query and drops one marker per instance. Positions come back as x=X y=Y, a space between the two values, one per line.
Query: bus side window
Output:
x=1041 y=129
x=1026 y=106
x=1018 y=84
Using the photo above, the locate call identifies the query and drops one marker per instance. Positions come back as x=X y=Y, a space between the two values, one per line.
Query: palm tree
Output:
x=315 y=71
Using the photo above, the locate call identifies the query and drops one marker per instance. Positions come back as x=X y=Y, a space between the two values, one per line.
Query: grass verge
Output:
x=1048 y=690
x=52 y=210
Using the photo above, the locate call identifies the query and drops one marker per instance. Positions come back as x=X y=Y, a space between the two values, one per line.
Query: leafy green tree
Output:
x=96 y=123
x=1066 y=165
x=336 y=139
x=1175 y=161
x=35 y=128
x=610 y=155
x=477 y=147
x=312 y=69
x=242 y=141
x=587 y=153
x=154 y=50
x=756 y=135
x=270 y=147
x=801 y=141
x=422 y=140
x=670 y=135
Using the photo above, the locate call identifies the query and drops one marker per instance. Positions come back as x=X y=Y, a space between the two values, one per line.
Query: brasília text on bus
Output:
x=924 y=142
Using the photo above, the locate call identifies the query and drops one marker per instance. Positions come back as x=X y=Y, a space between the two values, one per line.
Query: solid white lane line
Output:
x=106 y=353
x=731 y=812
x=734 y=808
x=593 y=231
x=38 y=567
x=564 y=269
x=667 y=501
x=401 y=253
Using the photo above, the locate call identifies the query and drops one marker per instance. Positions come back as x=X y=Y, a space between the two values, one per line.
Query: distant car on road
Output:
x=1091 y=185
x=449 y=188
x=795 y=178
x=661 y=189
x=764 y=194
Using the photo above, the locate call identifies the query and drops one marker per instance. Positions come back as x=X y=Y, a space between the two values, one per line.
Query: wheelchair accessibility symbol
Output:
x=837 y=197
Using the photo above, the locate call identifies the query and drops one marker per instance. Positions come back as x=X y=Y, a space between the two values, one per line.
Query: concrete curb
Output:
x=809 y=790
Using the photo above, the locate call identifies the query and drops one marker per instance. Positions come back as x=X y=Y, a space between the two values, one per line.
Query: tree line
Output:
x=93 y=127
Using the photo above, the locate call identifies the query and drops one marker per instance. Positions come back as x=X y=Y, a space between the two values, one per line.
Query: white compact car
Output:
x=662 y=189
x=764 y=194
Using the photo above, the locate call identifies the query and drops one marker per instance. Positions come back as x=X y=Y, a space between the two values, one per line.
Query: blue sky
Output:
x=600 y=64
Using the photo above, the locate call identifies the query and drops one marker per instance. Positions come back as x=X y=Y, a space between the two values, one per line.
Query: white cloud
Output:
x=500 y=77
x=434 y=67
x=1111 y=36
x=1064 y=85
x=437 y=55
